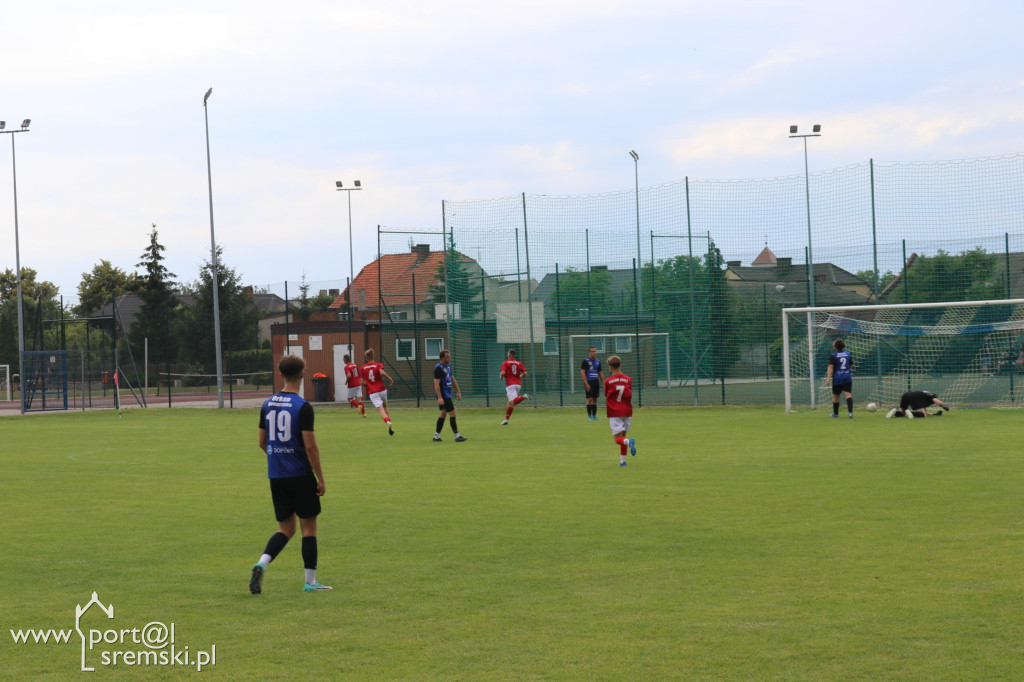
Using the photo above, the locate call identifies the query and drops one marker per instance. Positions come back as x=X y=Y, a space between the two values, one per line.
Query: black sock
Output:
x=440 y=425
x=275 y=544
x=835 y=408
x=849 y=405
x=309 y=552
x=591 y=410
x=451 y=420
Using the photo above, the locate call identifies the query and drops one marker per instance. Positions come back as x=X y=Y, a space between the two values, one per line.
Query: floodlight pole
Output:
x=339 y=186
x=17 y=263
x=816 y=132
x=213 y=263
x=639 y=262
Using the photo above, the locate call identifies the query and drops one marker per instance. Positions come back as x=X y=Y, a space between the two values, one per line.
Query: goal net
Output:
x=968 y=353
x=645 y=358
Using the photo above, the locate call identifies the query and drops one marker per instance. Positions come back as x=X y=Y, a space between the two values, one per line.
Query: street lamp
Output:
x=17 y=262
x=815 y=132
x=639 y=262
x=357 y=185
x=213 y=263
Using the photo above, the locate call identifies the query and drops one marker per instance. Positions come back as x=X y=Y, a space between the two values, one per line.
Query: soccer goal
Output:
x=645 y=357
x=967 y=352
x=5 y=382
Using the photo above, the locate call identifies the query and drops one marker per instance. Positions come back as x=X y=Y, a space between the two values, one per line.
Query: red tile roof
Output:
x=396 y=280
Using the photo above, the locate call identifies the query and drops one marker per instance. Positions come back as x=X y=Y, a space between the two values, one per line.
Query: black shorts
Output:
x=593 y=388
x=449 y=406
x=295 y=496
x=839 y=388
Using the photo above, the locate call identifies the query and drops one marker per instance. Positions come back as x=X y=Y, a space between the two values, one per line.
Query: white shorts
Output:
x=619 y=424
x=355 y=392
x=379 y=399
x=512 y=391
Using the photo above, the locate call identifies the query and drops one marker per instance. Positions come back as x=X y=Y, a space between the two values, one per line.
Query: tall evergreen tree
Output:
x=455 y=283
x=156 y=318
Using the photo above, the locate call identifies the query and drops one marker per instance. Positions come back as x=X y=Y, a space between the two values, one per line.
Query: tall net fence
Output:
x=710 y=265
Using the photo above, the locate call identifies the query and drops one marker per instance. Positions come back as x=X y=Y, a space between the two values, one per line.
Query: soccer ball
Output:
x=872 y=407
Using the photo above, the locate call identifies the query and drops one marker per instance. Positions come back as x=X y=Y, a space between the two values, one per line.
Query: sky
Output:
x=453 y=100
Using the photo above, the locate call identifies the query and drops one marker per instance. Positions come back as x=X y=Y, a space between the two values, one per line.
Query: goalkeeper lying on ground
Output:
x=913 y=404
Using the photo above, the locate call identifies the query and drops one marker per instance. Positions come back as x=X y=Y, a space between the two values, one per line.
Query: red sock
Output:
x=352 y=402
x=518 y=399
x=508 y=412
x=622 y=449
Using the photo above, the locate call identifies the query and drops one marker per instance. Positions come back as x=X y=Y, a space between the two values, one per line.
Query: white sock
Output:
x=622 y=457
x=310 y=576
x=437 y=434
x=265 y=559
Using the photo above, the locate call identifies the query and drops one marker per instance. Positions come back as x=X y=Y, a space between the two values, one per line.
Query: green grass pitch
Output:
x=739 y=544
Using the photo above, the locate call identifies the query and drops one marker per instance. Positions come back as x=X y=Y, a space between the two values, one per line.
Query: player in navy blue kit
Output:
x=444 y=380
x=839 y=374
x=593 y=379
x=293 y=466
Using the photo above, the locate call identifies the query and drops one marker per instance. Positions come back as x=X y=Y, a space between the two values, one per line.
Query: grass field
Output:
x=739 y=544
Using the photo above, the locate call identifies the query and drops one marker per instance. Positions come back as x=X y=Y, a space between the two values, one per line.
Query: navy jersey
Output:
x=284 y=417
x=842 y=363
x=592 y=368
x=444 y=373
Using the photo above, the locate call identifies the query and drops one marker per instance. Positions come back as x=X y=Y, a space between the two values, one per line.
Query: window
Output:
x=550 y=345
x=404 y=349
x=597 y=342
x=623 y=344
x=399 y=315
x=432 y=348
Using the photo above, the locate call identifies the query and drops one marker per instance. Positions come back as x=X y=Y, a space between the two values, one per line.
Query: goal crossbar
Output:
x=810 y=310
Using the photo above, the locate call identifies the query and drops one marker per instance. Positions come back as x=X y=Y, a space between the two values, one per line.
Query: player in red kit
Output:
x=373 y=376
x=618 y=393
x=513 y=371
x=354 y=382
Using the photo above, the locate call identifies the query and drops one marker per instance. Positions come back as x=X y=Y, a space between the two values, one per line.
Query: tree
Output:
x=239 y=320
x=159 y=309
x=579 y=290
x=454 y=283
x=104 y=283
x=37 y=304
x=970 y=275
x=307 y=305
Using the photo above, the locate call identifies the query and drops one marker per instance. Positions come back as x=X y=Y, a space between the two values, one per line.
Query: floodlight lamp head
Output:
x=207 y=96
x=3 y=124
x=337 y=183
x=359 y=185
x=817 y=128
x=792 y=130
x=25 y=123
x=780 y=288
x=636 y=157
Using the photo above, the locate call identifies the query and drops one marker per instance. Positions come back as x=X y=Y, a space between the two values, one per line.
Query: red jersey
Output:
x=618 y=393
x=352 y=375
x=514 y=371
x=371 y=372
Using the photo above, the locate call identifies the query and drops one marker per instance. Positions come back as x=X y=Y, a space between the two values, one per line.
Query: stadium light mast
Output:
x=17 y=261
x=357 y=185
x=639 y=262
x=815 y=132
x=213 y=263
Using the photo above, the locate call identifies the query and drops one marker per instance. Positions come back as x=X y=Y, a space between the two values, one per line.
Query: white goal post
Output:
x=890 y=321
x=5 y=381
x=599 y=335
